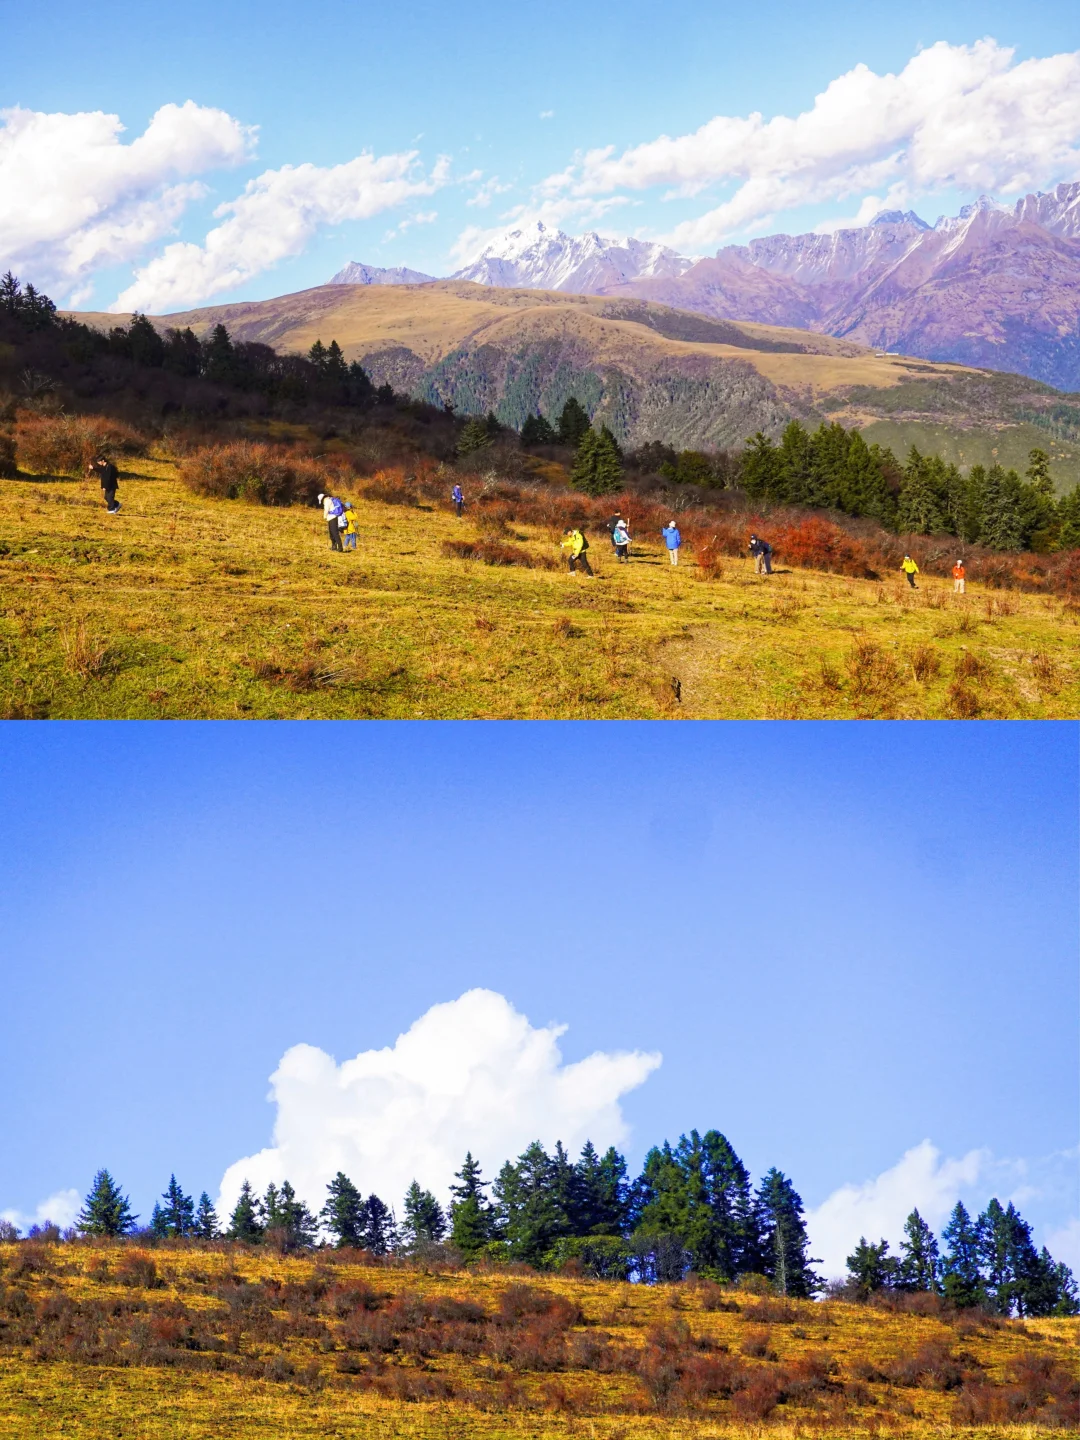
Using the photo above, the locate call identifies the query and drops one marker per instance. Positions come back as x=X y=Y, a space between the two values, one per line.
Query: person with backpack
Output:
x=459 y=500
x=347 y=525
x=575 y=544
x=109 y=476
x=620 y=538
x=672 y=539
x=332 y=509
x=910 y=569
x=761 y=550
x=958 y=581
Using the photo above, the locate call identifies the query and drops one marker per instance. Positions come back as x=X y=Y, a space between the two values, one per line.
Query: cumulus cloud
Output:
x=921 y=1180
x=471 y=1074
x=278 y=214
x=60 y=1208
x=77 y=197
x=956 y=117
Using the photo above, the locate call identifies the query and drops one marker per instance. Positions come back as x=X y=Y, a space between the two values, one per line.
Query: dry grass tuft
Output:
x=86 y=654
x=963 y=703
x=925 y=662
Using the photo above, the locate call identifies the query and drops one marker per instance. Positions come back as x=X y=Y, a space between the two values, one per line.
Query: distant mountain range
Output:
x=997 y=287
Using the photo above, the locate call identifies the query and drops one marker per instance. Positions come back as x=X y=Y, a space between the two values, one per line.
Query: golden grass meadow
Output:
x=114 y=1341
x=189 y=607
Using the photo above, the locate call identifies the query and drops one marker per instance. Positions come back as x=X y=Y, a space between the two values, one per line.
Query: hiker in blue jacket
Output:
x=332 y=509
x=761 y=550
x=672 y=539
x=458 y=498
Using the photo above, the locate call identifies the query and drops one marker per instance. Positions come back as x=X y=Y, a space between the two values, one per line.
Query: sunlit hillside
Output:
x=99 y=1341
x=184 y=606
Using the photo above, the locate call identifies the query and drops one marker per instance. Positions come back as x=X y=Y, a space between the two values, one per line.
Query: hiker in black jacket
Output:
x=109 y=476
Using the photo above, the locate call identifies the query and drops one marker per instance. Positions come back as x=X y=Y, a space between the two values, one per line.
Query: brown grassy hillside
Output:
x=184 y=606
x=112 y=1341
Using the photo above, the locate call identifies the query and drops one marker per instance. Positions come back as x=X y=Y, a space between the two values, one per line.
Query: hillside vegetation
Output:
x=189 y=606
x=649 y=372
x=101 y=1340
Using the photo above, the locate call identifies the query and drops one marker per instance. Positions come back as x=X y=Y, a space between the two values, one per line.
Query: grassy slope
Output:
x=46 y=1396
x=171 y=608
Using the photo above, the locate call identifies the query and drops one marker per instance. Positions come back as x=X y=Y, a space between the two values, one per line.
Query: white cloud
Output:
x=472 y=1074
x=1064 y=1244
x=956 y=117
x=61 y=1208
x=279 y=212
x=487 y=191
x=546 y=114
x=921 y=1180
x=77 y=198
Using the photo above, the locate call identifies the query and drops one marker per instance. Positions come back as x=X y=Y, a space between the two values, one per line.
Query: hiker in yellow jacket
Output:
x=575 y=545
x=348 y=530
x=910 y=569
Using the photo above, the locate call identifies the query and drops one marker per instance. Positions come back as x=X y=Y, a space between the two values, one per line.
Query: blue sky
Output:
x=471 y=83
x=844 y=940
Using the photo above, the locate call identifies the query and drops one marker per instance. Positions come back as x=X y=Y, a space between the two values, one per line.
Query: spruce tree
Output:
x=795 y=460
x=1068 y=520
x=379 y=1231
x=573 y=423
x=1038 y=475
x=176 y=1218
x=10 y=294
x=597 y=468
x=920 y=508
x=147 y=346
x=784 y=1242
x=206 y=1225
x=760 y=468
x=343 y=1213
x=871 y=1267
x=245 y=1222
x=474 y=437
x=317 y=356
x=471 y=1217
x=962 y=1279
x=537 y=431
x=919 y=1264
x=294 y=1225
x=219 y=359
x=1001 y=510
x=106 y=1211
x=336 y=367
x=599 y=1193
x=424 y=1223
x=530 y=1210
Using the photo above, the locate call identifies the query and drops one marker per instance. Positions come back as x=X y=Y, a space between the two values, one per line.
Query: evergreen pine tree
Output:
x=1052 y=1289
x=598 y=1205
x=784 y=1242
x=919 y=1263
x=962 y=1279
x=219 y=359
x=573 y=423
x=289 y=1222
x=871 y=1267
x=473 y=437
x=424 y=1223
x=1001 y=510
x=336 y=366
x=206 y=1221
x=537 y=431
x=760 y=468
x=147 y=346
x=1038 y=473
x=531 y=1214
x=10 y=294
x=176 y=1218
x=106 y=1211
x=471 y=1217
x=920 y=505
x=317 y=356
x=1068 y=520
x=245 y=1222
x=379 y=1231
x=795 y=460
x=343 y=1213
x=597 y=468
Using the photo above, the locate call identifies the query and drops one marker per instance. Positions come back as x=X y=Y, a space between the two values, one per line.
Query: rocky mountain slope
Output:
x=357 y=274
x=995 y=286
x=651 y=372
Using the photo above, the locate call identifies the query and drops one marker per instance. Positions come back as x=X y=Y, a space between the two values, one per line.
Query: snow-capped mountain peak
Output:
x=356 y=274
x=535 y=257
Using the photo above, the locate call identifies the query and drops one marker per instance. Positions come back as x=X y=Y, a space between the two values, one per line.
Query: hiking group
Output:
x=340 y=520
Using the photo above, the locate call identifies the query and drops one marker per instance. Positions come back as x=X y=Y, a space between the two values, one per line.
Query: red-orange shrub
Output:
x=65 y=444
x=265 y=474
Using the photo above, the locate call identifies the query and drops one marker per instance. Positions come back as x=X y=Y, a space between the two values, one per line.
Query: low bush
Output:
x=65 y=444
x=262 y=474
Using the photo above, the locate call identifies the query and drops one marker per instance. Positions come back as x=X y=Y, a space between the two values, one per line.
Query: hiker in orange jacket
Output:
x=958 y=578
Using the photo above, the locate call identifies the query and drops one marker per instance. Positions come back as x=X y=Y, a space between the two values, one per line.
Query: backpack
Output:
x=584 y=543
x=336 y=507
